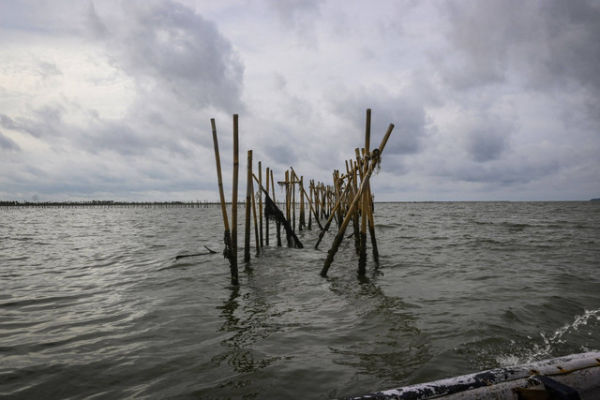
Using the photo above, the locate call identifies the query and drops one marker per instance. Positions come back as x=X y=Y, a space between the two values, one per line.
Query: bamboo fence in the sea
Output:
x=347 y=200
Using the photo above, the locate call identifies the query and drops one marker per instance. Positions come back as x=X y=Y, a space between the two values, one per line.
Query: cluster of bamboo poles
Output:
x=348 y=199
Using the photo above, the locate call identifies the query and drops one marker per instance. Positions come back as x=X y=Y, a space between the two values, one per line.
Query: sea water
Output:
x=93 y=303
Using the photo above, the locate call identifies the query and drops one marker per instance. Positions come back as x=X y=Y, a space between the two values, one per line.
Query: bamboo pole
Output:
x=362 y=256
x=260 y=207
x=368 y=199
x=302 y=221
x=236 y=164
x=287 y=203
x=266 y=221
x=248 y=205
x=287 y=195
x=256 y=234
x=340 y=235
x=310 y=204
x=338 y=194
x=316 y=200
x=372 y=224
x=277 y=224
x=331 y=216
x=293 y=189
x=355 y=227
x=227 y=234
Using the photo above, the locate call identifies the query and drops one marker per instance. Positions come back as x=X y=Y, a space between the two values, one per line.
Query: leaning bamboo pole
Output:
x=234 y=196
x=331 y=216
x=355 y=219
x=340 y=235
x=227 y=234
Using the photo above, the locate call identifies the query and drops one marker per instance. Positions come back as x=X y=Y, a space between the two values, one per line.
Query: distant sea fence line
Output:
x=111 y=203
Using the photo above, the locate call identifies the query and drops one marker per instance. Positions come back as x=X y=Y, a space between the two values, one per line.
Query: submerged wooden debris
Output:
x=347 y=200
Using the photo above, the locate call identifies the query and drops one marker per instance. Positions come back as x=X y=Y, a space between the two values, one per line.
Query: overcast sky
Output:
x=492 y=99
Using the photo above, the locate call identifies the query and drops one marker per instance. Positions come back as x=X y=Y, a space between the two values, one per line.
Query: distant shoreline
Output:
x=205 y=204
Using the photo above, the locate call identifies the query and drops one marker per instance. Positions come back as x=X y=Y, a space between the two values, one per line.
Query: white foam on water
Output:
x=550 y=342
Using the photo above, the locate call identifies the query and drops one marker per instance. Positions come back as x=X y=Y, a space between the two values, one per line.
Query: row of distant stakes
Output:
x=348 y=199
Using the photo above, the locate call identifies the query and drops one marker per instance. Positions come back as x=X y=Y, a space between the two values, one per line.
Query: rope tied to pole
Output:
x=375 y=157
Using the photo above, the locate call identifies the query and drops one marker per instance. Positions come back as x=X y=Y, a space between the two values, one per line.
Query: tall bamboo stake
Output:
x=310 y=204
x=287 y=195
x=316 y=200
x=277 y=224
x=248 y=205
x=372 y=224
x=260 y=207
x=234 y=196
x=362 y=258
x=368 y=197
x=256 y=235
x=302 y=221
x=287 y=203
x=227 y=235
x=247 y=208
x=340 y=235
x=267 y=221
x=338 y=193
x=293 y=189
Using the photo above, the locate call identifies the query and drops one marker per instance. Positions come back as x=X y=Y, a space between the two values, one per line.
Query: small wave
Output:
x=480 y=241
x=552 y=344
x=45 y=300
x=558 y=336
x=387 y=226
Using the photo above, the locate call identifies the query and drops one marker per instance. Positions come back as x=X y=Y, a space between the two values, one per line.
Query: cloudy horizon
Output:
x=492 y=100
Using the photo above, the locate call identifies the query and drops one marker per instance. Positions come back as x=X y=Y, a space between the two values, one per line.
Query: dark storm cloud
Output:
x=295 y=12
x=548 y=43
x=488 y=139
x=501 y=174
x=7 y=143
x=123 y=139
x=43 y=122
x=98 y=136
x=7 y=122
x=284 y=155
x=485 y=145
x=572 y=29
x=407 y=115
x=178 y=50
